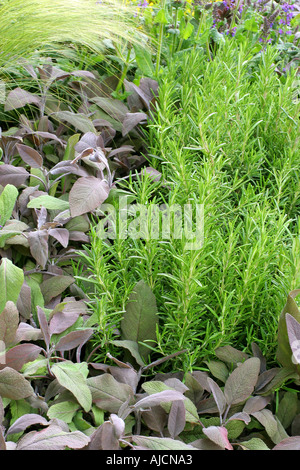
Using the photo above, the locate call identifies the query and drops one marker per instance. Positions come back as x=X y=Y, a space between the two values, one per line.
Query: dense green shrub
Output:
x=232 y=145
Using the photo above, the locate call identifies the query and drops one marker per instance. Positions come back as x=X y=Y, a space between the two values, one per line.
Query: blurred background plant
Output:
x=182 y=25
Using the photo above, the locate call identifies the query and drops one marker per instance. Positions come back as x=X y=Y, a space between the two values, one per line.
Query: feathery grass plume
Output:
x=29 y=25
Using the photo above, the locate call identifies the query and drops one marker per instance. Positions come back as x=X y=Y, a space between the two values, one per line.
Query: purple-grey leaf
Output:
x=30 y=156
x=38 y=136
x=118 y=424
x=131 y=120
x=2 y=440
x=88 y=140
x=207 y=406
x=140 y=319
x=26 y=332
x=123 y=149
x=103 y=438
x=61 y=321
x=18 y=98
x=66 y=166
x=218 y=435
x=87 y=194
x=74 y=339
x=83 y=73
x=202 y=377
x=155 y=418
x=176 y=420
x=19 y=355
x=125 y=376
x=258 y=353
x=25 y=421
x=13 y=385
x=293 y=330
x=290 y=443
x=176 y=384
x=158 y=398
x=230 y=355
x=195 y=391
x=266 y=377
x=54 y=286
x=256 y=403
x=154 y=174
x=113 y=107
x=41 y=216
x=240 y=416
x=61 y=235
x=44 y=326
x=205 y=444
x=52 y=438
x=1 y=412
x=218 y=395
x=77 y=236
x=10 y=174
x=241 y=382
x=9 y=320
x=27 y=66
x=107 y=393
x=271 y=424
x=38 y=243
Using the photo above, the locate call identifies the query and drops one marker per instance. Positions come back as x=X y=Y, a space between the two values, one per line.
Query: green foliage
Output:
x=11 y=281
x=83 y=22
x=140 y=318
x=235 y=149
x=190 y=411
x=79 y=341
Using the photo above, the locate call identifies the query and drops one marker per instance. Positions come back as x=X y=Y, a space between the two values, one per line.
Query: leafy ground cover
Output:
x=114 y=342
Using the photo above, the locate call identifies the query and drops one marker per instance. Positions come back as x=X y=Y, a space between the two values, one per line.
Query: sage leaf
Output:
x=241 y=382
x=68 y=375
x=11 y=281
x=140 y=319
